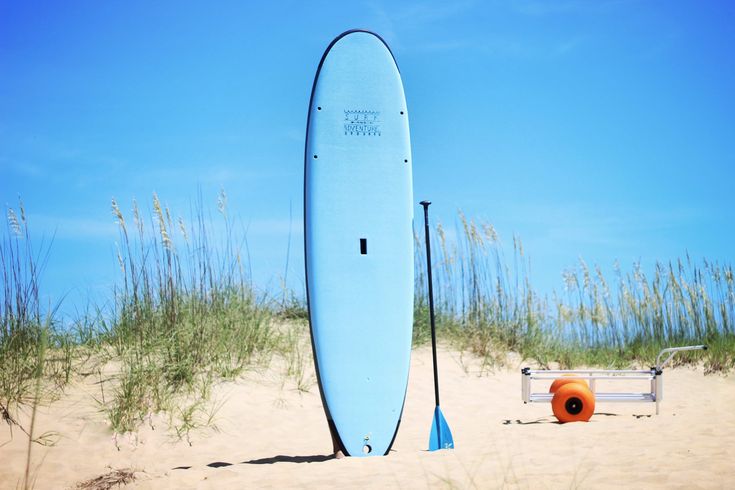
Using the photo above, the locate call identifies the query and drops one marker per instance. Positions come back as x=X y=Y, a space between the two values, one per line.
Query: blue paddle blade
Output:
x=441 y=436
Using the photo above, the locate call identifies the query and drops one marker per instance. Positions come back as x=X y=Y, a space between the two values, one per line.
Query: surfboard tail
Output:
x=441 y=435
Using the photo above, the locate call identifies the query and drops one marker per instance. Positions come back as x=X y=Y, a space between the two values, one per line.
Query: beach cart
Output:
x=573 y=392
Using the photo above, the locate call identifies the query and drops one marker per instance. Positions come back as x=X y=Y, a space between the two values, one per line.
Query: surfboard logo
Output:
x=362 y=123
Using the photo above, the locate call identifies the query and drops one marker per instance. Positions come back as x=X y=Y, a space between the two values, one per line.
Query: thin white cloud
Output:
x=207 y=173
x=565 y=47
x=276 y=227
x=519 y=48
x=72 y=227
x=297 y=135
x=23 y=169
x=441 y=46
x=567 y=223
x=553 y=7
x=423 y=13
x=417 y=15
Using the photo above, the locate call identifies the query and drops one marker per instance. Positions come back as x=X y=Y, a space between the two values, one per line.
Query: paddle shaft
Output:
x=425 y=204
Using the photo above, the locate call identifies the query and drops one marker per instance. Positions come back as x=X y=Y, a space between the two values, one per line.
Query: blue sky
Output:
x=595 y=129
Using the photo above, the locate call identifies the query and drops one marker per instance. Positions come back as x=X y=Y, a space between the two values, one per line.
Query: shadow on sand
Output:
x=281 y=458
x=548 y=420
x=544 y=420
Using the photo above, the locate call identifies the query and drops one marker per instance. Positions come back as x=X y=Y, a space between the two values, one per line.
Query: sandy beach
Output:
x=269 y=434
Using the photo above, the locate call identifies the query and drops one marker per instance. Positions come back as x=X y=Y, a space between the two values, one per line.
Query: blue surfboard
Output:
x=358 y=213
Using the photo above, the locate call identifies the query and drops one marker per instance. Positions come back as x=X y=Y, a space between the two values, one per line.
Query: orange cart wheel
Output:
x=559 y=382
x=573 y=402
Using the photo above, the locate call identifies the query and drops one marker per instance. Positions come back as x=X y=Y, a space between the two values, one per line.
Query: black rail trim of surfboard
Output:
x=400 y=418
x=336 y=39
x=330 y=422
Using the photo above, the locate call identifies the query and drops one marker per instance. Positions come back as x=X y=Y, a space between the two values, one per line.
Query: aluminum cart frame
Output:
x=654 y=375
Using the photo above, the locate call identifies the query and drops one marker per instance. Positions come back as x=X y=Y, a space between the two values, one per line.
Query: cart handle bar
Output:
x=672 y=351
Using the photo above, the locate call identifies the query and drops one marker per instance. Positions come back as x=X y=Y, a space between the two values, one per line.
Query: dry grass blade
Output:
x=115 y=478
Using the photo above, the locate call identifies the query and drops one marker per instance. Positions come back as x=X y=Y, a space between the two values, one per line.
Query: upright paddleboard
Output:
x=358 y=212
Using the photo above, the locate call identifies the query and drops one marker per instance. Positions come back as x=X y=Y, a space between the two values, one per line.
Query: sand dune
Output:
x=271 y=435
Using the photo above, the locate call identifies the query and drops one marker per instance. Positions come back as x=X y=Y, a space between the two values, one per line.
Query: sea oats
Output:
x=490 y=232
x=157 y=208
x=167 y=243
x=162 y=223
x=120 y=260
x=22 y=209
x=222 y=201
x=182 y=229
x=13 y=222
x=136 y=217
x=119 y=216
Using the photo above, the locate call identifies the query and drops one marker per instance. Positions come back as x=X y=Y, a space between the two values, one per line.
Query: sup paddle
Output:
x=441 y=436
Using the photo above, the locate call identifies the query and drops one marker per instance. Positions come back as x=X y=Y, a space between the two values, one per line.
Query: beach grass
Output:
x=186 y=315
x=485 y=303
x=32 y=347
